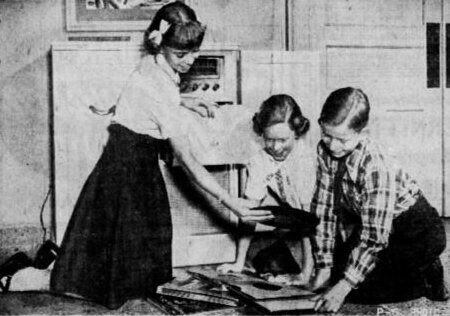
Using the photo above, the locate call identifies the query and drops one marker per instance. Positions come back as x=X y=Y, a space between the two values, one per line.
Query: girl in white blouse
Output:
x=285 y=166
x=118 y=243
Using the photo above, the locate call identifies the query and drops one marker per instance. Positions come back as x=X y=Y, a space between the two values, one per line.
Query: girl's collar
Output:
x=162 y=62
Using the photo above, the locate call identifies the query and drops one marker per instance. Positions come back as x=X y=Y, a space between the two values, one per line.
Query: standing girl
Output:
x=379 y=239
x=285 y=167
x=118 y=242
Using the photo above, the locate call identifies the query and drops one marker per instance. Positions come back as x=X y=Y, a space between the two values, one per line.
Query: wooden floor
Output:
x=39 y=303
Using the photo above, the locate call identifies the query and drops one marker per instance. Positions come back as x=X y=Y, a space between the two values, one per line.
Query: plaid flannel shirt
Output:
x=375 y=190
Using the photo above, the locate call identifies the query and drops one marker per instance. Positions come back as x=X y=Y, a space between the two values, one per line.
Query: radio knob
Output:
x=205 y=87
x=194 y=86
x=216 y=87
x=184 y=86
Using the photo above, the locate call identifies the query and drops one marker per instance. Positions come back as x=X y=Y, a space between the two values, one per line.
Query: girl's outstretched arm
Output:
x=199 y=175
x=244 y=241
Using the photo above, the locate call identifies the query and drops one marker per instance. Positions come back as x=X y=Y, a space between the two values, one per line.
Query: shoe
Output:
x=435 y=284
x=46 y=254
x=15 y=263
x=438 y=293
x=4 y=286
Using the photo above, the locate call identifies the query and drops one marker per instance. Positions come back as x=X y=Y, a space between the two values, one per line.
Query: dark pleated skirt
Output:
x=117 y=245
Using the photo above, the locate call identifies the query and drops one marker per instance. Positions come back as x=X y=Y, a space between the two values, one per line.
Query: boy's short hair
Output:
x=346 y=104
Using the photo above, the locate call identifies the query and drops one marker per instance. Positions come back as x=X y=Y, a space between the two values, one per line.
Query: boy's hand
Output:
x=333 y=298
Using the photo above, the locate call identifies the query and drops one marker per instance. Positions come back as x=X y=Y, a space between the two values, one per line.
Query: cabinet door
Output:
x=93 y=74
x=380 y=46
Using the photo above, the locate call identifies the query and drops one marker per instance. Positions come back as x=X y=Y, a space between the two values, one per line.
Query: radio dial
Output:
x=184 y=86
x=205 y=87
x=194 y=86
x=216 y=87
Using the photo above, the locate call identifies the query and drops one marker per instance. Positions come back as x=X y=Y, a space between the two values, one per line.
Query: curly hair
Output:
x=185 y=31
x=346 y=104
x=280 y=108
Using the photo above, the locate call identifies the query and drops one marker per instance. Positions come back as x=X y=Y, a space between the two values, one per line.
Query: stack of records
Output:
x=268 y=297
x=198 y=290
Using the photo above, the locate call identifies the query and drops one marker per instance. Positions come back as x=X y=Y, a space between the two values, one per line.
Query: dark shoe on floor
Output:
x=5 y=283
x=438 y=293
x=46 y=254
x=434 y=281
x=15 y=263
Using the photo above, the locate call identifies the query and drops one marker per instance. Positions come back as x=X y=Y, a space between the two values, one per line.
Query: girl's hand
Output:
x=247 y=215
x=264 y=228
x=202 y=107
x=230 y=267
x=239 y=208
x=333 y=298
x=249 y=203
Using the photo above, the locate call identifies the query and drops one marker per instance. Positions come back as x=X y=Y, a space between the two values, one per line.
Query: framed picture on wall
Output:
x=111 y=15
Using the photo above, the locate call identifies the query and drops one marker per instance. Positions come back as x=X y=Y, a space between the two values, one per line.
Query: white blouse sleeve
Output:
x=152 y=107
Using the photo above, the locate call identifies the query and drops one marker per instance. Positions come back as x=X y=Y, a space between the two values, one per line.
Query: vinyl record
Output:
x=291 y=218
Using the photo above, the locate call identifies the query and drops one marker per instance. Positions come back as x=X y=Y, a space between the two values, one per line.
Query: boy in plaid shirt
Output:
x=379 y=239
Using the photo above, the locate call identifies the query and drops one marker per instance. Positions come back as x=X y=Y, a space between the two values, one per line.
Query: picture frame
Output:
x=111 y=15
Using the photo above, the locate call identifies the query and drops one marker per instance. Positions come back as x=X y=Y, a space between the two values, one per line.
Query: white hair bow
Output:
x=156 y=35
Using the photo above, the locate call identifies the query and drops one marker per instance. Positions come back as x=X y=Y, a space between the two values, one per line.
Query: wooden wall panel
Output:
x=251 y=24
x=380 y=46
x=374 y=12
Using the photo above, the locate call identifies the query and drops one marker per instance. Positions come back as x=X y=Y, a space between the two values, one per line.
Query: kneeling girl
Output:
x=284 y=167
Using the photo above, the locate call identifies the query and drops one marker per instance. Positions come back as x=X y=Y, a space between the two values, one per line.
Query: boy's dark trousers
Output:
x=408 y=267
